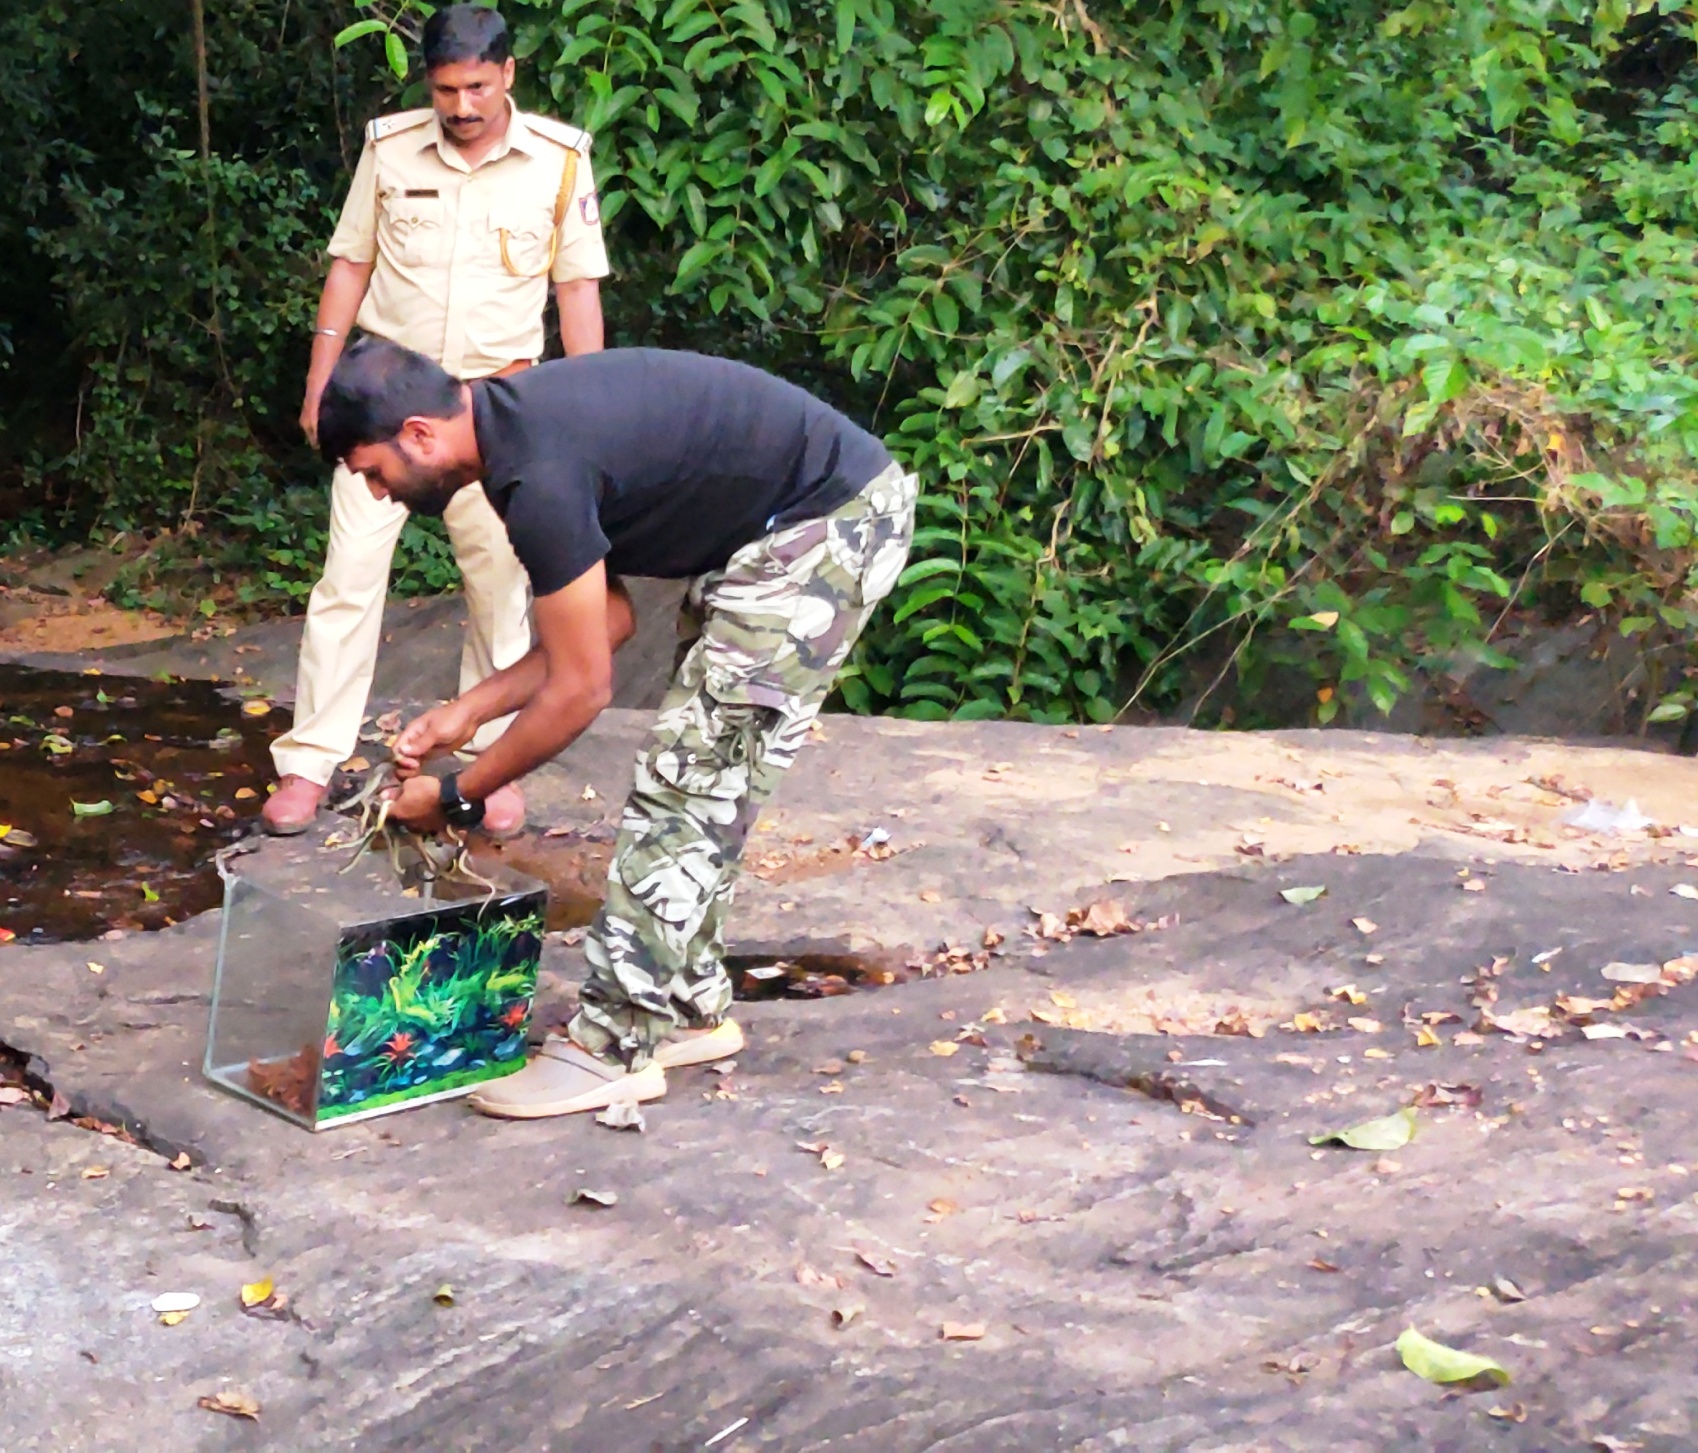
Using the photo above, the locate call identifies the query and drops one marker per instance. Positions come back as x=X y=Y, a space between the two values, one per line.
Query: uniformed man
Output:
x=458 y=219
x=791 y=524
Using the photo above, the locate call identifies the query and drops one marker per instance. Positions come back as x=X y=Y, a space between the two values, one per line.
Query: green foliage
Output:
x=184 y=291
x=1195 y=320
x=1237 y=344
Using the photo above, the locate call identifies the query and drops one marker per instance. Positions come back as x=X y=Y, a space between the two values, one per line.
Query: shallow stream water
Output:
x=115 y=792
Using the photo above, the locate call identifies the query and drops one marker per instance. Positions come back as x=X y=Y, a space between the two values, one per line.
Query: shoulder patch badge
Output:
x=589 y=205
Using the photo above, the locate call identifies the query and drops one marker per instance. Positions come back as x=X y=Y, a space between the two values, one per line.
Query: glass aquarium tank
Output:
x=348 y=991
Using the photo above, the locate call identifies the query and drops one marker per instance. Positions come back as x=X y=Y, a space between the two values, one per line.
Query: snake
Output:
x=442 y=855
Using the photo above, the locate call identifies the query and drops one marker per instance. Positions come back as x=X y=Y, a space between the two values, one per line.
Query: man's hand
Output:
x=444 y=728
x=309 y=412
x=417 y=804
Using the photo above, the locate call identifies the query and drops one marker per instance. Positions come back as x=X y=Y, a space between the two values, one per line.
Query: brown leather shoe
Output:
x=504 y=812
x=292 y=807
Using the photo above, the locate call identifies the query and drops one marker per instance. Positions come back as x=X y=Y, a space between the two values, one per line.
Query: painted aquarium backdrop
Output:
x=427 y=1005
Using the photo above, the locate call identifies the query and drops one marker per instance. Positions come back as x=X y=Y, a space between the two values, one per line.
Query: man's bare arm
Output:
x=338 y=305
x=580 y=315
x=572 y=639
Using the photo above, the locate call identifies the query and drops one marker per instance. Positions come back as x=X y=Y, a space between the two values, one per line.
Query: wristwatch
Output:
x=458 y=811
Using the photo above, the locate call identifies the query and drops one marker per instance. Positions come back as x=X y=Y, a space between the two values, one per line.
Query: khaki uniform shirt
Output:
x=434 y=227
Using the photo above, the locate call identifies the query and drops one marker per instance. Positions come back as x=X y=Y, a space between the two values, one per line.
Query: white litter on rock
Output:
x=1600 y=816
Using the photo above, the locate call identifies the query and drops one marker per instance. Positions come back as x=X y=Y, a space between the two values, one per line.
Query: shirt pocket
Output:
x=525 y=233
x=412 y=227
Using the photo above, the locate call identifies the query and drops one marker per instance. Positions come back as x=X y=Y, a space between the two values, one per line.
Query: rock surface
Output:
x=1089 y=1160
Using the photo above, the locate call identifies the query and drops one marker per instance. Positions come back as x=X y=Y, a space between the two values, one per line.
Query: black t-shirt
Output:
x=661 y=463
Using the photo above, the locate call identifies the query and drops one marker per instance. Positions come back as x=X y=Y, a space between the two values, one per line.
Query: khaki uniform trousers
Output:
x=345 y=619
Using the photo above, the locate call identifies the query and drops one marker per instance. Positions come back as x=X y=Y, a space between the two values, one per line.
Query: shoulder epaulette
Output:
x=383 y=126
x=559 y=131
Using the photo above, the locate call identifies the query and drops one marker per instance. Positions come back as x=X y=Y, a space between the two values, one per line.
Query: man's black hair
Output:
x=376 y=387
x=460 y=33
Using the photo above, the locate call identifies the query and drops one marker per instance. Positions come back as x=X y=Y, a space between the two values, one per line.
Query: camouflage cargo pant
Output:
x=764 y=638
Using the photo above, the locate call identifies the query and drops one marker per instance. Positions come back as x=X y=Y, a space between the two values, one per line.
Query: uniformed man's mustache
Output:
x=464 y=120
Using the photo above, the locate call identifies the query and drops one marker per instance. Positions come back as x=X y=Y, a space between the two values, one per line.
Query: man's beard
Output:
x=427 y=494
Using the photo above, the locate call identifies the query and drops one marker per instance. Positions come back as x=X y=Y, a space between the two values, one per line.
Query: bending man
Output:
x=791 y=523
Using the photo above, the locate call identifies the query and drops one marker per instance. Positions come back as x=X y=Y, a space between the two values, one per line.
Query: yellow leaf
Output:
x=443 y=1296
x=944 y=1047
x=831 y=1159
x=256 y=1292
x=1438 y=1363
x=356 y=764
x=96 y=1172
x=256 y=708
x=1061 y=1000
x=234 y=1401
x=170 y=1319
x=244 y=793
x=1425 y=1038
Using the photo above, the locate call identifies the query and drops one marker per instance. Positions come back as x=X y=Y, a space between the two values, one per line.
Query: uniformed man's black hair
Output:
x=376 y=387
x=460 y=33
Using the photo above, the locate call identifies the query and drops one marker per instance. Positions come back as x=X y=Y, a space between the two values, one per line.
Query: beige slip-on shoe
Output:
x=699 y=1046
x=563 y=1078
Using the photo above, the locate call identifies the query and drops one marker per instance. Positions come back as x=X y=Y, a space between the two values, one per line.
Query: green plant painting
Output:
x=429 y=1005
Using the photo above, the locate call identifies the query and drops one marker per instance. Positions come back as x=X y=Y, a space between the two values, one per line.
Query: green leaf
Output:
x=1444 y=1365
x=963 y=389
x=395 y=51
x=350 y=33
x=1391 y=1132
x=1302 y=895
x=91 y=809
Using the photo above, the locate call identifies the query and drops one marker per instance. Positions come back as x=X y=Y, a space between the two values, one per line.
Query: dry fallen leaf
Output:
x=257 y=707
x=443 y=1296
x=1349 y=994
x=255 y=1292
x=878 y=1265
x=944 y=1047
x=1473 y=885
x=930 y=895
x=243 y=794
x=1365 y=925
x=845 y=1312
x=942 y=1206
x=181 y=1161
x=171 y=1319
x=1684 y=890
x=1302 y=895
x=1364 y=1025
x=961 y=1331
x=96 y=1172
x=13 y=1095
x=234 y=1402
x=590 y=1197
